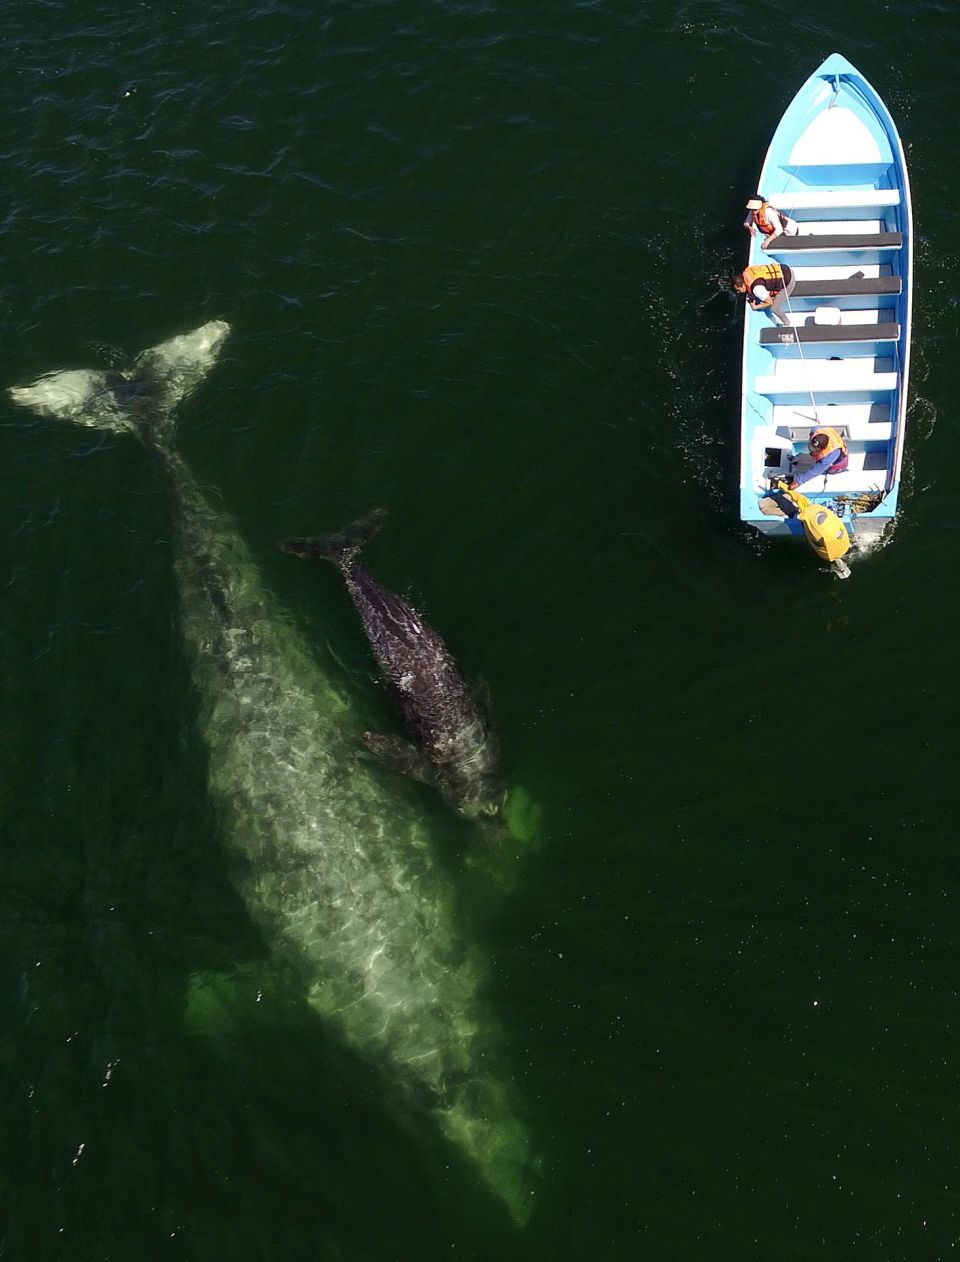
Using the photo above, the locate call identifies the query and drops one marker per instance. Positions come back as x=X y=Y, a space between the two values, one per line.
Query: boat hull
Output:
x=836 y=166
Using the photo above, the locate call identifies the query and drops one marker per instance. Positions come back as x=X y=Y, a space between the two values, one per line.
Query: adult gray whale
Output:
x=335 y=868
x=453 y=744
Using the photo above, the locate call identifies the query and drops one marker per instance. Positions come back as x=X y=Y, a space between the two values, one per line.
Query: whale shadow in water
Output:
x=334 y=867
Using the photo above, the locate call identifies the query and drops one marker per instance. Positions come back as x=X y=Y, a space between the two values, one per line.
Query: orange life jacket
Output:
x=762 y=222
x=834 y=442
x=771 y=274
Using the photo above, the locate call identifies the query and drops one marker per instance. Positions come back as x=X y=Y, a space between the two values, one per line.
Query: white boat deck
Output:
x=838 y=227
x=825 y=376
x=856 y=315
x=860 y=422
x=834 y=137
x=835 y=199
x=854 y=478
x=831 y=271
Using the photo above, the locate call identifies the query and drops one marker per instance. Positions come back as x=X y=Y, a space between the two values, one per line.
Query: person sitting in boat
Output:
x=764 y=220
x=830 y=455
x=766 y=285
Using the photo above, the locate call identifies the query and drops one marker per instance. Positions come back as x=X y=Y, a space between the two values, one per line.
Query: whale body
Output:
x=453 y=745
x=334 y=866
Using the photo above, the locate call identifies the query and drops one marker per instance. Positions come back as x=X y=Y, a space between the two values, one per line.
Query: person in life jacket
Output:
x=830 y=455
x=766 y=222
x=766 y=285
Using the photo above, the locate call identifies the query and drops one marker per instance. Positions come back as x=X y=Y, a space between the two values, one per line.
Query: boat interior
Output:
x=836 y=362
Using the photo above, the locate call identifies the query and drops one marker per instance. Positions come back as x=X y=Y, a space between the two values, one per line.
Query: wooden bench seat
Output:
x=850 y=286
x=779 y=335
x=820 y=243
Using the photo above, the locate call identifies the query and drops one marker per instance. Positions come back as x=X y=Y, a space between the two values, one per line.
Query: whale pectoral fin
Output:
x=399 y=755
x=481 y=693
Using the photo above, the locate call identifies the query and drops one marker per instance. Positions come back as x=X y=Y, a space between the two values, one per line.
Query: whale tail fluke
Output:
x=141 y=398
x=78 y=395
x=340 y=549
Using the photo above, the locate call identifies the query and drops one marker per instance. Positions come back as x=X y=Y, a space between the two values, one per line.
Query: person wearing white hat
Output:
x=764 y=220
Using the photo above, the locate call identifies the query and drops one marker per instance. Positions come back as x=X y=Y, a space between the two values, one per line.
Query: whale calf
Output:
x=453 y=745
x=335 y=867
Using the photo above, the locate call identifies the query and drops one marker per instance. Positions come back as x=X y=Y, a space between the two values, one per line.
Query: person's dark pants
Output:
x=783 y=502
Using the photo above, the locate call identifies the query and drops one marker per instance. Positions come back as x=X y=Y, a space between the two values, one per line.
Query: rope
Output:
x=803 y=359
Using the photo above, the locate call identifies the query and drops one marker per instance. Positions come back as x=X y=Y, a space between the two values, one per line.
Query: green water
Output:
x=473 y=256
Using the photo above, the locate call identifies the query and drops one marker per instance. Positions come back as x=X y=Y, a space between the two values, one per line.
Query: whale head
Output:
x=476 y=791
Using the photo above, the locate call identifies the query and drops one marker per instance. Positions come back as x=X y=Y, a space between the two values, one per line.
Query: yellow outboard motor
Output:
x=825 y=532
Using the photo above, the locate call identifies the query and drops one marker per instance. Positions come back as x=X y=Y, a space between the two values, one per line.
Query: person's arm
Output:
x=750 y=225
x=759 y=297
x=817 y=468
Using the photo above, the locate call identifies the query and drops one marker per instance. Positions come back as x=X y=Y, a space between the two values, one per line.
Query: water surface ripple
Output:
x=474 y=256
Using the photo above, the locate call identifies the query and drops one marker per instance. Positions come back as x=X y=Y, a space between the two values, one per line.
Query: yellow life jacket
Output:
x=771 y=274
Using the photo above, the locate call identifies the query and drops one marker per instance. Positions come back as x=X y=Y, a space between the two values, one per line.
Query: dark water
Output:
x=473 y=257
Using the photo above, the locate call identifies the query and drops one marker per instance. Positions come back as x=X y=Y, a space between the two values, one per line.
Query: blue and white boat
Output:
x=835 y=166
